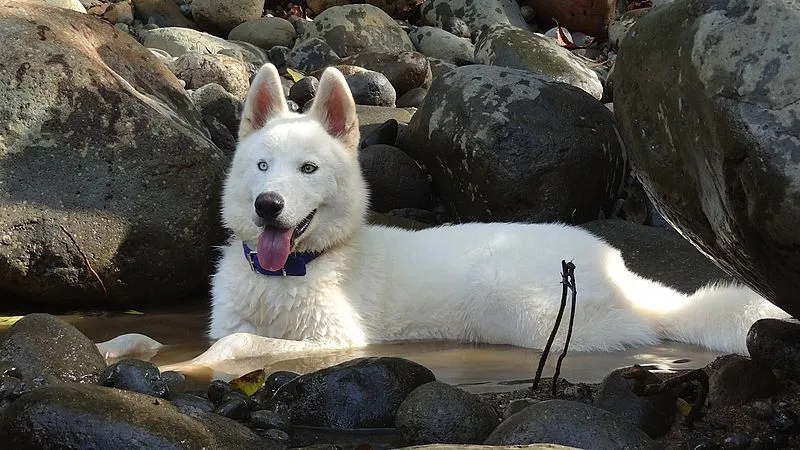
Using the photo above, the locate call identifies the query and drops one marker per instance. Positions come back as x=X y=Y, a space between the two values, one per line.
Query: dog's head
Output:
x=295 y=183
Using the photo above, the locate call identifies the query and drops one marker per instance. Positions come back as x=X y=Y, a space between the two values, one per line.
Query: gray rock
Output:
x=352 y=29
x=73 y=415
x=776 y=343
x=360 y=393
x=213 y=100
x=502 y=45
x=412 y=98
x=394 y=178
x=221 y=136
x=437 y=43
x=74 y=5
x=371 y=88
x=439 y=413
x=304 y=90
x=265 y=32
x=41 y=346
x=198 y=70
x=311 y=55
x=219 y=17
x=164 y=13
x=736 y=380
x=135 y=375
x=535 y=150
x=115 y=180
x=653 y=414
x=569 y=423
x=278 y=55
x=176 y=41
x=475 y=13
x=440 y=67
x=622 y=24
x=721 y=158
x=405 y=70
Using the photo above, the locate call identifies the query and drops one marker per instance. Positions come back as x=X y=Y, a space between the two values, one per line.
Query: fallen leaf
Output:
x=250 y=382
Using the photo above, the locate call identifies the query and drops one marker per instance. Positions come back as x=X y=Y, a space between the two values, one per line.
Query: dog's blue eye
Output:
x=262 y=166
x=308 y=168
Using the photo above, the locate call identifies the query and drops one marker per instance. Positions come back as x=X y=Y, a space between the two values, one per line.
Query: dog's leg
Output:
x=247 y=345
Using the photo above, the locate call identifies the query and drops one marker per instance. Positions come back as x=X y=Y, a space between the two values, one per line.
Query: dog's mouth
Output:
x=275 y=244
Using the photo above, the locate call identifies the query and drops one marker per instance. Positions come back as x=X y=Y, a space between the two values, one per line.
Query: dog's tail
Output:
x=717 y=316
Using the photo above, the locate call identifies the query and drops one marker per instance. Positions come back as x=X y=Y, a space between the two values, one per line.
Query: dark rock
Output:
x=371 y=88
x=135 y=375
x=653 y=414
x=235 y=408
x=160 y=12
x=776 y=344
x=221 y=136
x=71 y=415
x=277 y=379
x=385 y=134
x=371 y=118
x=720 y=158
x=394 y=178
x=360 y=393
x=736 y=380
x=217 y=390
x=569 y=423
x=579 y=392
x=277 y=436
x=412 y=98
x=420 y=216
x=184 y=400
x=537 y=151
x=114 y=165
x=213 y=100
x=439 y=413
x=304 y=90
x=761 y=410
x=11 y=387
x=269 y=420
x=278 y=55
x=736 y=442
x=294 y=107
x=44 y=347
x=311 y=55
x=785 y=422
x=176 y=381
x=404 y=70
x=517 y=405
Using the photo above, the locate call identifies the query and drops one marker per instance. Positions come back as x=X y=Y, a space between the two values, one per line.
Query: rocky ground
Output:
x=56 y=391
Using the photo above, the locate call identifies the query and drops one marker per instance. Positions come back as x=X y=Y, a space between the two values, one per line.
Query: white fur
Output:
x=493 y=283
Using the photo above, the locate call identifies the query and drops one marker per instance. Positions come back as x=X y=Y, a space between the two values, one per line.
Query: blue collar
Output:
x=295 y=264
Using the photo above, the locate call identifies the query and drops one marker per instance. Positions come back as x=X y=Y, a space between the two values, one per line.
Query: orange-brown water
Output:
x=481 y=368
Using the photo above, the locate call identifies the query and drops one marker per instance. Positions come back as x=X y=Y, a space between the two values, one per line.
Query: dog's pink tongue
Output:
x=274 y=246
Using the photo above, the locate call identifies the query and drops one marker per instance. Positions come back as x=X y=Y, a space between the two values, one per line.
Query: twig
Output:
x=556 y=325
x=569 y=270
x=640 y=388
x=85 y=260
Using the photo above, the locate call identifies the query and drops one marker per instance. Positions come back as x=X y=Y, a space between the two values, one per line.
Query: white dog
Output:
x=303 y=271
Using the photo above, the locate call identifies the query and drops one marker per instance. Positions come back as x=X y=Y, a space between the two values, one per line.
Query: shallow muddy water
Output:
x=476 y=368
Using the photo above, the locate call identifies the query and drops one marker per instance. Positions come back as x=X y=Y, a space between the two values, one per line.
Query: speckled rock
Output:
x=352 y=29
x=176 y=41
x=213 y=100
x=569 y=423
x=160 y=12
x=74 y=415
x=404 y=70
x=398 y=9
x=439 y=413
x=622 y=24
x=312 y=54
x=395 y=180
x=475 y=13
x=111 y=169
x=198 y=70
x=437 y=43
x=506 y=145
x=219 y=17
x=265 y=32
x=709 y=118
x=44 y=347
x=502 y=45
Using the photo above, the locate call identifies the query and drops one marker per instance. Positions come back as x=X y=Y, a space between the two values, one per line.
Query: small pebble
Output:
x=235 y=408
x=137 y=376
x=277 y=379
x=217 y=390
x=736 y=442
x=176 y=381
x=579 y=393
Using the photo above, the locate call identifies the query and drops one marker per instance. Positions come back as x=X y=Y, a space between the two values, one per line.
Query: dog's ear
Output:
x=334 y=107
x=264 y=100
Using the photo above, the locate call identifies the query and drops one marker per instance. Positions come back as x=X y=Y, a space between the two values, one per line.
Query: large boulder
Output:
x=177 y=41
x=71 y=415
x=352 y=29
x=507 y=145
x=503 y=45
x=221 y=16
x=110 y=181
x=476 y=14
x=710 y=120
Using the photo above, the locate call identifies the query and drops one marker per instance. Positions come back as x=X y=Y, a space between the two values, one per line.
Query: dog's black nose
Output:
x=269 y=205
